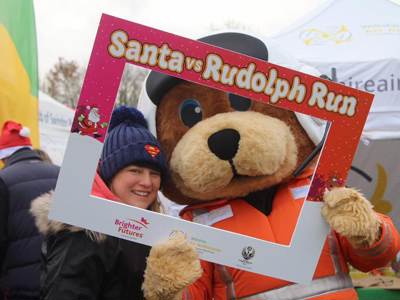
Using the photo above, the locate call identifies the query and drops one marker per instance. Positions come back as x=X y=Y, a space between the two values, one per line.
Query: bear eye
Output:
x=239 y=103
x=190 y=112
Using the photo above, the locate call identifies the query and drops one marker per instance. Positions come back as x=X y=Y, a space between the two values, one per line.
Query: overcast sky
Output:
x=67 y=28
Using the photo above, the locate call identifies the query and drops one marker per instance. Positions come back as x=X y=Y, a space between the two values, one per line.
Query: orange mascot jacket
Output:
x=331 y=279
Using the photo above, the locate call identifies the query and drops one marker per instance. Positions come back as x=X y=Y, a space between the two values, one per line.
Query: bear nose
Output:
x=224 y=143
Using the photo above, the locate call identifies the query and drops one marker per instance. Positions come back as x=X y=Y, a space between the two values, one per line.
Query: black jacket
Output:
x=24 y=177
x=81 y=264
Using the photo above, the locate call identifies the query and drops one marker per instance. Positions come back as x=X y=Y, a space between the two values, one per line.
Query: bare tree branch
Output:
x=131 y=85
x=64 y=81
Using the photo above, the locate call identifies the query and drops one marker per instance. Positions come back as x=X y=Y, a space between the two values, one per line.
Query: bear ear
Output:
x=239 y=103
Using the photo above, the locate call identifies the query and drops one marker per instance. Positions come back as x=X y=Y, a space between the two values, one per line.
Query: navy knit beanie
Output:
x=130 y=142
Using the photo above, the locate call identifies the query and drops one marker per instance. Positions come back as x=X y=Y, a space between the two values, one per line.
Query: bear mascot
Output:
x=251 y=163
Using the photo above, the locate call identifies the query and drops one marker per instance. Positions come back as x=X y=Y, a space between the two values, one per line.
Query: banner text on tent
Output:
x=214 y=68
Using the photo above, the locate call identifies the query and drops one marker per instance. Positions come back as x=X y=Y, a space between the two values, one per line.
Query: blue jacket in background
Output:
x=24 y=177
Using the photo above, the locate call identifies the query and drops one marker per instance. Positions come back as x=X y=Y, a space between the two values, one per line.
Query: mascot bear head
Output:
x=224 y=146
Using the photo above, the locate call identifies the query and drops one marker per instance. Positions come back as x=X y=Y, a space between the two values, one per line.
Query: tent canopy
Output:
x=356 y=43
x=343 y=30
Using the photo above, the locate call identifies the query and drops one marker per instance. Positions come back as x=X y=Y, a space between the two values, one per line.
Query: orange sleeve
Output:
x=202 y=288
x=379 y=254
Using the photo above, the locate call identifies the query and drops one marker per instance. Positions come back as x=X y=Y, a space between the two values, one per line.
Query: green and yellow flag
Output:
x=18 y=65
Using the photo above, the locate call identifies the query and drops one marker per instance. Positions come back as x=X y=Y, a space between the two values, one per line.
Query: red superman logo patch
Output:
x=152 y=150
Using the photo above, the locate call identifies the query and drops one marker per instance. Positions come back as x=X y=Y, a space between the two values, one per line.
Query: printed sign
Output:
x=119 y=42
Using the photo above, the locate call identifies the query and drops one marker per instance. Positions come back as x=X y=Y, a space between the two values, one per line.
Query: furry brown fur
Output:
x=270 y=157
x=164 y=279
x=272 y=145
x=40 y=208
x=351 y=215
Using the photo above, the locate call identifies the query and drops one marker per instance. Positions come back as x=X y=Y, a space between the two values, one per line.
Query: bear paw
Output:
x=351 y=215
x=171 y=266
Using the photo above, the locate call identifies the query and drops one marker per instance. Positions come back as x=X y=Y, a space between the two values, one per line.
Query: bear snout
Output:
x=231 y=149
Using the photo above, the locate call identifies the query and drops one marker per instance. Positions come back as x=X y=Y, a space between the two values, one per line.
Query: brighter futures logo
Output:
x=132 y=228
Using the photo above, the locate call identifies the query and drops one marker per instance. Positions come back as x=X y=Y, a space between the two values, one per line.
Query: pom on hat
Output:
x=25 y=132
x=129 y=115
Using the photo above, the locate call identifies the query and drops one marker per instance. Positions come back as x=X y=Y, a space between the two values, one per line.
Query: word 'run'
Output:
x=214 y=68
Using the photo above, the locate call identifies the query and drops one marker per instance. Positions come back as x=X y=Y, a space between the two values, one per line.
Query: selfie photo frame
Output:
x=119 y=42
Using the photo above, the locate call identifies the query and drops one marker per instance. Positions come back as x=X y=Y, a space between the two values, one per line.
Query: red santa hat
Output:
x=13 y=137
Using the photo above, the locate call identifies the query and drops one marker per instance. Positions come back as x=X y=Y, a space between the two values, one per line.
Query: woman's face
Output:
x=136 y=186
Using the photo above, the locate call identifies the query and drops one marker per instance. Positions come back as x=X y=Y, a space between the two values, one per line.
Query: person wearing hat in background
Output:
x=80 y=264
x=24 y=177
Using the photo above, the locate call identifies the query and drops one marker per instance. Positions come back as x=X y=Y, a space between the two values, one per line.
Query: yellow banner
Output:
x=16 y=101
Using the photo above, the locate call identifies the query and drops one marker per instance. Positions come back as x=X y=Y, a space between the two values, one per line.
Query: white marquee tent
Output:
x=55 y=120
x=357 y=43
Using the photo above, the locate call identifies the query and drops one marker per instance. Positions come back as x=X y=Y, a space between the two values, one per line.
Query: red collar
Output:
x=100 y=189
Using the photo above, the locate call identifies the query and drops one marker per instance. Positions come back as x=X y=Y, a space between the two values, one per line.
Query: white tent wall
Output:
x=55 y=120
x=357 y=43
x=377 y=173
x=380 y=77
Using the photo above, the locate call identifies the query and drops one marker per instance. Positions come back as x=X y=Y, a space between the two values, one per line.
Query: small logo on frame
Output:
x=248 y=253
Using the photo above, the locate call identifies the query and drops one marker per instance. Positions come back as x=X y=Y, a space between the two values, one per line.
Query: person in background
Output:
x=24 y=177
x=80 y=264
x=43 y=155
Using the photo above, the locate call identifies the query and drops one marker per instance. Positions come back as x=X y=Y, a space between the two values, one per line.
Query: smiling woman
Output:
x=131 y=170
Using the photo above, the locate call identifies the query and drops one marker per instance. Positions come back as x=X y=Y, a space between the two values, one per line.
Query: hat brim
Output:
x=158 y=84
x=6 y=152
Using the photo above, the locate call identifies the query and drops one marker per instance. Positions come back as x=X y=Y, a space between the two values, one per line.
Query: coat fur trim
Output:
x=40 y=208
